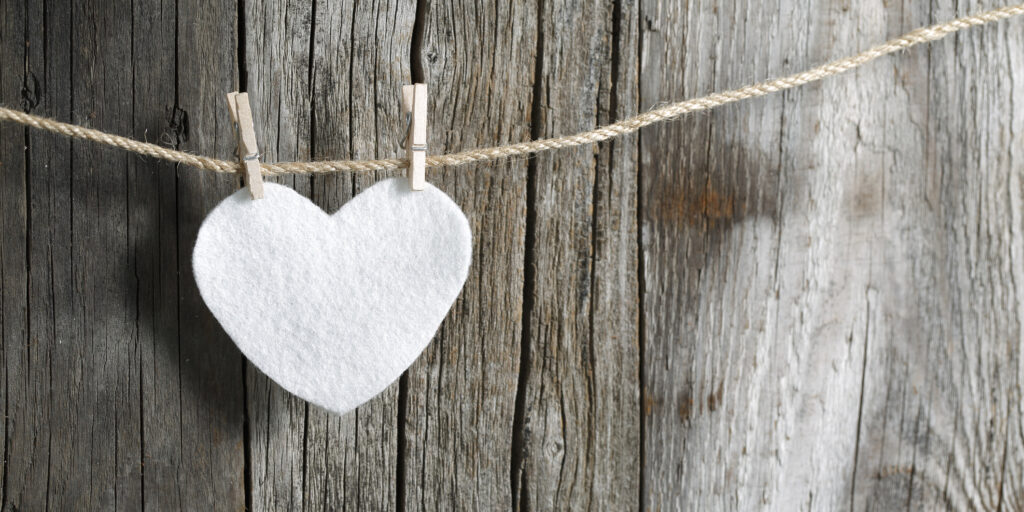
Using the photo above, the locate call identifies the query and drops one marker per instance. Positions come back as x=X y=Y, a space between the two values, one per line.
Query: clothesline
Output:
x=617 y=129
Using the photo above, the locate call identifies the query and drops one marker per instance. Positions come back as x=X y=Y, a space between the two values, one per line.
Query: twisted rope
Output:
x=618 y=129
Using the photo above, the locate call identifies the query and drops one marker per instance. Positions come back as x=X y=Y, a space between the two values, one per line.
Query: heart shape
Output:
x=333 y=307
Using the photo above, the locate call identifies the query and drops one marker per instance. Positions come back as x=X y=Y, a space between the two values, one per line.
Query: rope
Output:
x=618 y=129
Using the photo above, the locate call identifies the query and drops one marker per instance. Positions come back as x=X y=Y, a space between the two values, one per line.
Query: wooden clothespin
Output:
x=414 y=102
x=248 y=153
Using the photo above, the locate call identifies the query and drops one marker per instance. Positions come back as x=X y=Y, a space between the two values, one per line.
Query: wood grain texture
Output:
x=460 y=404
x=582 y=361
x=212 y=417
x=357 y=76
x=809 y=301
x=716 y=375
x=319 y=94
x=14 y=286
x=155 y=256
x=276 y=46
x=95 y=378
x=942 y=416
x=810 y=265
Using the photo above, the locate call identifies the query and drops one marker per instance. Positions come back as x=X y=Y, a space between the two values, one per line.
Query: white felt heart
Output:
x=333 y=307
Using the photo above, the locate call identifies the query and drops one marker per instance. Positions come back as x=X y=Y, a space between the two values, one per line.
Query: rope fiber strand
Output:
x=620 y=128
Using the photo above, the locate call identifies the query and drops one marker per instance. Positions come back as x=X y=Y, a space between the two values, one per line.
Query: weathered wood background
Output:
x=807 y=301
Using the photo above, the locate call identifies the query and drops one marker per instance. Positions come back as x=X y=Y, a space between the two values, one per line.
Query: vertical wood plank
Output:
x=14 y=329
x=82 y=356
x=339 y=468
x=277 y=51
x=154 y=257
x=212 y=396
x=357 y=76
x=47 y=84
x=833 y=257
x=615 y=315
x=730 y=352
x=360 y=60
x=941 y=423
x=805 y=325
x=325 y=91
x=580 y=428
x=460 y=408
x=95 y=370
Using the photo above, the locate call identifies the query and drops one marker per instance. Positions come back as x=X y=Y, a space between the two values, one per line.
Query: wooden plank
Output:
x=360 y=61
x=40 y=453
x=461 y=401
x=154 y=257
x=95 y=436
x=330 y=100
x=805 y=341
x=615 y=319
x=734 y=366
x=581 y=431
x=277 y=64
x=14 y=285
x=213 y=462
x=75 y=368
x=941 y=422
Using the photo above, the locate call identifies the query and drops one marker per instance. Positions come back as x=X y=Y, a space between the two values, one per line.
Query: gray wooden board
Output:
x=278 y=86
x=831 y=315
x=580 y=425
x=805 y=301
x=461 y=398
x=14 y=301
